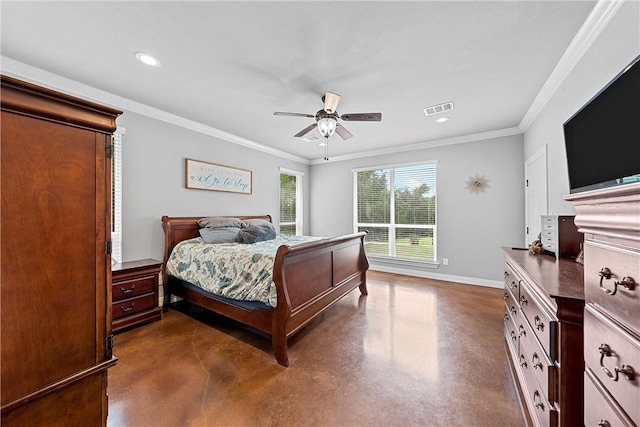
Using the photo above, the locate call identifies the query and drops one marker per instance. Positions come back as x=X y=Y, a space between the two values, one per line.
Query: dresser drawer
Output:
x=543 y=413
x=541 y=367
x=133 y=305
x=599 y=407
x=609 y=352
x=544 y=325
x=511 y=281
x=600 y=285
x=133 y=287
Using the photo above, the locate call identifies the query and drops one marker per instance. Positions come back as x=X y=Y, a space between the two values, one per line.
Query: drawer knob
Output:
x=626 y=282
x=626 y=370
x=604 y=423
x=125 y=309
x=127 y=291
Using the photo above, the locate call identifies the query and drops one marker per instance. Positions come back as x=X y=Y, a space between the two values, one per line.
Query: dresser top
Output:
x=561 y=279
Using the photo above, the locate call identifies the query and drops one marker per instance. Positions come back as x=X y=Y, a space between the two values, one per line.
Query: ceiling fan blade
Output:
x=362 y=117
x=280 y=113
x=343 y=132
x=305 y=131
x=331 y=101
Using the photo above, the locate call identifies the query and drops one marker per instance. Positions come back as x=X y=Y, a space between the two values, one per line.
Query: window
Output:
x=116 y=196
x=396 y=205
x=290 y=202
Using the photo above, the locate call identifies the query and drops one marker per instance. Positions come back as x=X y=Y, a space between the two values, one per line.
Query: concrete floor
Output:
x=414 y=352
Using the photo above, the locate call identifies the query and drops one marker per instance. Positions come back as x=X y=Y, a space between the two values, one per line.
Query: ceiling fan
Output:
x=327 y=118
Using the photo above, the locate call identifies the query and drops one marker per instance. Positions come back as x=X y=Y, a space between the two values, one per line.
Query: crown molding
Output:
x=597 y=21
x=12 y=68
x=424 y=145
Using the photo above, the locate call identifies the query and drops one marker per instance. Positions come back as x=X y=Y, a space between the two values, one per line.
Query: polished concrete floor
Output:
x=414 y=352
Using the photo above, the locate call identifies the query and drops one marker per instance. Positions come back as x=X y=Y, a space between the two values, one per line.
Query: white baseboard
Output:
x=436 y=276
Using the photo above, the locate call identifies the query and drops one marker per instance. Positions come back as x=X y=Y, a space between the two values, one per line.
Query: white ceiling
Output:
x=229 y=65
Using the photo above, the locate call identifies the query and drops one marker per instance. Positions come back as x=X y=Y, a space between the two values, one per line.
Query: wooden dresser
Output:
x=543 y=328
x=55 y=294
x=610 y=221
x=134 y=289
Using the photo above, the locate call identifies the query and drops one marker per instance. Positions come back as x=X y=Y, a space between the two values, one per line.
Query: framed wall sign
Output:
x=210 y=176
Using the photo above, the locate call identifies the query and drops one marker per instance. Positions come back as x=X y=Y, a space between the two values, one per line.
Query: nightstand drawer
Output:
x=134 y=305
x=133 y=287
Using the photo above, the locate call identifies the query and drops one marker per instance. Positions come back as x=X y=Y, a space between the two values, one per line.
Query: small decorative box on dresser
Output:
x=543 y=328
x=610 y=221
x=560 y=236
x=134 y=287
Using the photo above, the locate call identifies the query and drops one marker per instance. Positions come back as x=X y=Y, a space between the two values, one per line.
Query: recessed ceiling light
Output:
x=148 y=59
x=442 y=119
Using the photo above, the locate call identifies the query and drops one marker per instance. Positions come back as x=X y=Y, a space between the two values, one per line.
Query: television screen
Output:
x=602 y=139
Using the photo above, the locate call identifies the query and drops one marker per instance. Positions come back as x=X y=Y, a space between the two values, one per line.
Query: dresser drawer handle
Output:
x=127 y=291
x=537 y=365
x=513 y=310
x=626 y=370
x=513 y=335
x=604 y=423
x=523 y=300
x=626 y=282
x=538 y=404
x=522 y=330
x=125 y=309
x=506 y=295
x=523 y=361
x=538 y=323
x=506 y=317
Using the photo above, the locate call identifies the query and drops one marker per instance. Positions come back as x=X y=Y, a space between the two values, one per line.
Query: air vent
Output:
x=437 y=109
x=311 y=137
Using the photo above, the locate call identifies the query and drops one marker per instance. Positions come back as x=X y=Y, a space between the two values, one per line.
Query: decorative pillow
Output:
x=220 y=235
x=256 y=233
x=219 y=221
x=256 y=221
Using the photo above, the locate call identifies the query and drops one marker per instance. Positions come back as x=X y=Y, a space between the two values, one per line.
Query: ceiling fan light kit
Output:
x=327 y=120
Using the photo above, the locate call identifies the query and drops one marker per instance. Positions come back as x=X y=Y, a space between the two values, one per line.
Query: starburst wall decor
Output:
x=477 y=184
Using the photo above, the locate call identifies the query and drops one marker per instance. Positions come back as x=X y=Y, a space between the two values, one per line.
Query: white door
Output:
x=535 y=199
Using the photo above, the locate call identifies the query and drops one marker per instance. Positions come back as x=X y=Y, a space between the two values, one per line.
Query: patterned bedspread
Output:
x=232 y=270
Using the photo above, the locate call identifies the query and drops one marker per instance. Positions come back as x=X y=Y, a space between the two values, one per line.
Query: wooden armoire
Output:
x=55 y=319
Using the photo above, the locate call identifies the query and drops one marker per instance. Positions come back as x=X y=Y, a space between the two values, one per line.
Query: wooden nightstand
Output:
x=134 y=293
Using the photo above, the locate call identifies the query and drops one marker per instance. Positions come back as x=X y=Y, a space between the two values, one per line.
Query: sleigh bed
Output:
x=308 y=277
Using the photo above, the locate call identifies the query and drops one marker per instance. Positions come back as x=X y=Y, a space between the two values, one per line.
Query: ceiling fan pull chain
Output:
x=326 y=149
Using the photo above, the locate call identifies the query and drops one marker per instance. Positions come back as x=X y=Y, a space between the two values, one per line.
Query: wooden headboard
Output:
x=177 y=229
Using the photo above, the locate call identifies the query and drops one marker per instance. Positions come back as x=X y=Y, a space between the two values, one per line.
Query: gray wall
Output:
x=615 y=48
x=471 y=227
x=154 y=155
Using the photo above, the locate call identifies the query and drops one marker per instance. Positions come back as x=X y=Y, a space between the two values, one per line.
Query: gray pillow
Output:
x=256 y=221
x=220 y=235
x=219 y=221
x=256 y=233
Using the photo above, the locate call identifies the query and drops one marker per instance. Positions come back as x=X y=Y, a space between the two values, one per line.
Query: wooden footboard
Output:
x=309 y=278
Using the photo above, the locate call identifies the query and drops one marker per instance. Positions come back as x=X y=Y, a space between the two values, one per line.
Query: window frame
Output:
x=116 y=195
x=299 y=223
x=392 y=226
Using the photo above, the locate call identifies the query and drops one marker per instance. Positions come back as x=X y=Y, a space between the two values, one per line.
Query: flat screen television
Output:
x=602 y=139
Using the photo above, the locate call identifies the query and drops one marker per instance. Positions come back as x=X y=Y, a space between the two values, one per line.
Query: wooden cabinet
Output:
x=55 y=299
x=543 y=329
x=610 y=221
x=560 y=236
x=134 y=291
